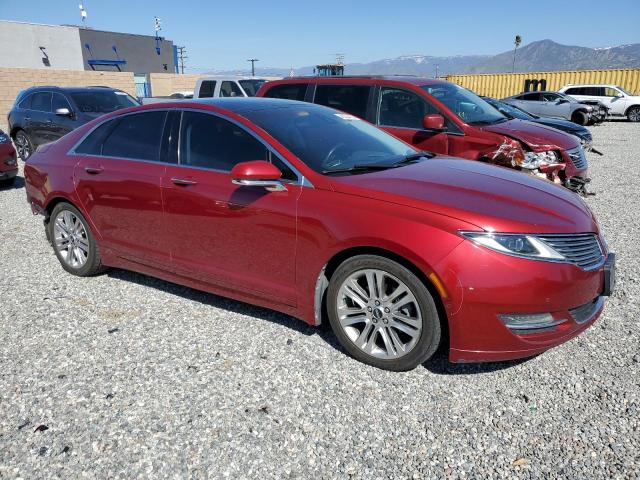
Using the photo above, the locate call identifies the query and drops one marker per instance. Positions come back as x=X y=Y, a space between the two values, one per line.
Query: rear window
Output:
x=251 y=87
x=102 y=101
x=288 y=91
x=346 y=98
x=136 y=136
x=207 y=89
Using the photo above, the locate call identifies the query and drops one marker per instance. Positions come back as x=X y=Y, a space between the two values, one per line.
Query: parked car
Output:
x=552 y=104
x=511 y=111
x=44 y=114
x=305 y=209
x=619 y=102
x=8 y=162
x=444 y=118
x=210 y=87
x=174 y=96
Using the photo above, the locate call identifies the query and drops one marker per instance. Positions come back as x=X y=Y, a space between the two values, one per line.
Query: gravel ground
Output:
x=125 y=376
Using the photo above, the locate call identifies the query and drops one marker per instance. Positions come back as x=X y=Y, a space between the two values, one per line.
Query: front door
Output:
x=236 y=237
x=61 y=124
x=118 y=181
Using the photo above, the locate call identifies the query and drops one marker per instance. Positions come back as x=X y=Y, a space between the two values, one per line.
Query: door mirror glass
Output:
x=63 y=112
x=433 y=121
x=257 y=173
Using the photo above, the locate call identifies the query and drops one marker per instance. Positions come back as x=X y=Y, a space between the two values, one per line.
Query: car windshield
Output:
x=510 y=110
x=251 y=87
x=329 y=141
x=103 y=101
x=468 y=106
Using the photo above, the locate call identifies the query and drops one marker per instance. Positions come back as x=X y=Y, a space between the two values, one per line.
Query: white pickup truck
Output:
x=208 y=87
x=619 y=102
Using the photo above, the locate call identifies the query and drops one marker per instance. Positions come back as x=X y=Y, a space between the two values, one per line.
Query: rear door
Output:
x=530 y=102
x=118 y=182
x=353 y=99
x=236 y=237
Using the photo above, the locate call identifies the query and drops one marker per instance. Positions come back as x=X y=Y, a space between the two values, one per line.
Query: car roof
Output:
x=419 y=81
x=95 y=88
x=572 y=85
x=241 y=105
x=223 y=78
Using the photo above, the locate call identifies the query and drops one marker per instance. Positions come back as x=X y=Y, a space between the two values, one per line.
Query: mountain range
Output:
x=543 y=55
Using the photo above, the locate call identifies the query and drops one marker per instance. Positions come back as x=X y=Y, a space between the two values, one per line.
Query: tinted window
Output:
x=26 y=102
x=326 y=140
x=211 y=142
x=531 y=97
x=102 y=101
x=59 y=101
x=610 y=92
x=230 y=89
x=347 y=98
x=465 y=104
x=41 y=102
x=207 y=88
x=92 y=145
x=550 y=97
x=574 y=91
x=136 y=136
x=290 y=91
x=401 y=108
x=251 y=87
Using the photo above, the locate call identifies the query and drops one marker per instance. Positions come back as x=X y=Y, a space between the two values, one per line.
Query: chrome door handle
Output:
x=183 y=181
x=93 y=170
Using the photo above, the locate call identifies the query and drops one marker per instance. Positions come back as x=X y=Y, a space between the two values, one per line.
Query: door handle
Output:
x=183 y=181
x=93 y=170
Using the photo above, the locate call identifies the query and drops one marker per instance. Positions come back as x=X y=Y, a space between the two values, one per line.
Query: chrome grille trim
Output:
x=581 y=249
x=578 y=157
x=586 y=312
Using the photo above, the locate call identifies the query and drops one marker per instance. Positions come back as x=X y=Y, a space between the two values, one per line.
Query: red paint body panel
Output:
x=269 y=248
x=8 y=162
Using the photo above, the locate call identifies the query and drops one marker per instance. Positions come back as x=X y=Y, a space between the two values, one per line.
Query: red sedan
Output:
x=8 y=161
x=307 y=210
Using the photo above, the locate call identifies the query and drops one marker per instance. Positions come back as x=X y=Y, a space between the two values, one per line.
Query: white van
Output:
x=208 y=87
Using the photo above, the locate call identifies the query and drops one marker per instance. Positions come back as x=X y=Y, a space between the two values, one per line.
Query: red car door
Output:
x=117 y=179
x=238 y=237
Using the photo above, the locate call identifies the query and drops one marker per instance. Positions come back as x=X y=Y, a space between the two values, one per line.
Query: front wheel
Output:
x=580 y=118
x=382 y=314
x=634 y=114
x=23 y=145
x=73 y=241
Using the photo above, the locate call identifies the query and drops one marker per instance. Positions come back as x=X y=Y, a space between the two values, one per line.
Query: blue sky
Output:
x=222 y=35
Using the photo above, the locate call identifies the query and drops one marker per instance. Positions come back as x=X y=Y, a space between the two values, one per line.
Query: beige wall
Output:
x=164 y=84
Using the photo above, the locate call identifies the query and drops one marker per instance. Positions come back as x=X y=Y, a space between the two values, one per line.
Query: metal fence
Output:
x=500 y=85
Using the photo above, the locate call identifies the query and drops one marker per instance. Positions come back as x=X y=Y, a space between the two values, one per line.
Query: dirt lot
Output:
x=125 y=376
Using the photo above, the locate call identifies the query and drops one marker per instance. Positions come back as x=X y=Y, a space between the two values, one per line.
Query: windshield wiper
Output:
x=412 y=157
x=359 y=168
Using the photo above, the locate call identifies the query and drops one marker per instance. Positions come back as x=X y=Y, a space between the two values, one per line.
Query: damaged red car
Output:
x=321 y=215
x=444 y=118
x=8 y=161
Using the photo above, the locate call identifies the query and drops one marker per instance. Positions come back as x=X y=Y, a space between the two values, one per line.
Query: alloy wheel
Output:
x=379 y=313
x=23 y=146
x=634 y=115
x=70 y=239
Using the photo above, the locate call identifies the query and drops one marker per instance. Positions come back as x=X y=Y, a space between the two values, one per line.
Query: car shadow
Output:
x=17 y=184
x=440 y=365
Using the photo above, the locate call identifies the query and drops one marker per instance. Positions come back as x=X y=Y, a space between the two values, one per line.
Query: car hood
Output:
x=537 y=137
x=564 y=125
x=490 y=197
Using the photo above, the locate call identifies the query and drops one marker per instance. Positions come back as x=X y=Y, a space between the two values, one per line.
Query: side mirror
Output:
x=562 y=100
x=63 y=112
x=433 y=122
x=257 y=173
x=619 y=95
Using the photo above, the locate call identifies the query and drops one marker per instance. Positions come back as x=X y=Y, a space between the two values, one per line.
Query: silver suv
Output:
x=619 y=102
x=553 y=104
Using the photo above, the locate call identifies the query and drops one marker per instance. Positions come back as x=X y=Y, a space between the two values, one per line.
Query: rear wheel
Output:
x=23 y=145
x=73 y=241
x=633 y=114
x=382 y=314
x=580 y=118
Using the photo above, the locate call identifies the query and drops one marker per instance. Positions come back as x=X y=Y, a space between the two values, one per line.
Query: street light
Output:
x=517 y=43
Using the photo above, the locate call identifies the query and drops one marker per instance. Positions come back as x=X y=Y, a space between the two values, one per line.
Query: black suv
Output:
x=44 y=114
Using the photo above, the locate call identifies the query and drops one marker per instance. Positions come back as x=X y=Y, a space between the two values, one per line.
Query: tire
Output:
x=79 y=255
x=367 y=328
x=580 y=118
x=24 y=145
x=633 y=114
x=8 y=182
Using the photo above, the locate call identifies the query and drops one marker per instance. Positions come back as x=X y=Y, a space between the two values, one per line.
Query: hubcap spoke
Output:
x=70 y=239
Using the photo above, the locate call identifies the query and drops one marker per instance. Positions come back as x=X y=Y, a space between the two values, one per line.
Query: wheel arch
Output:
x=327 y=271
x=635 y=105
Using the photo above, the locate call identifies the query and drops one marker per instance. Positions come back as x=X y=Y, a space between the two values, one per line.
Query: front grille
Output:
x=581 y=249
x=578 y=157
x=586 y=312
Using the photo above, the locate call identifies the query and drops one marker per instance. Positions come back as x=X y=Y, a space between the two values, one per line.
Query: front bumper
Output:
x=483 y=285
x=8 y=174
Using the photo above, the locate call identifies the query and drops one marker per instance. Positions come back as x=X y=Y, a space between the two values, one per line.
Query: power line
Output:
x=182 y=57
x=253 y=66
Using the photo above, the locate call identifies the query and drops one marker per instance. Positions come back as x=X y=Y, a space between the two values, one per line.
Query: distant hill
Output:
x=543 y=55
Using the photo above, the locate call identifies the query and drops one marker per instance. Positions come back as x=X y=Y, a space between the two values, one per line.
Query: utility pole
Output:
x=182 y=57
x=517 y=43
x=437 y=68
x=253 y=66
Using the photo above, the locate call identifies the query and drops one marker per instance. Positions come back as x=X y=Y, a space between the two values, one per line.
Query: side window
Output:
x=287 y=173
x=346 y=98
x=26 y=102
x=59 y=101
x=136 y=136
x=530 y=97
x=207 y=89
x=574 y=91
x=610 y=92
x=92 y=144
x=41 y=102
x=550 y=97
x=208 y=141
x=289 y=91
x=230 y=89
x=401 y=108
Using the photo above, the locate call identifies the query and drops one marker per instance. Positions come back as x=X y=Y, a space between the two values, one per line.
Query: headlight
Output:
x=4 y=138
x=519 y=245
x=533 y=160
x=589 y=109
